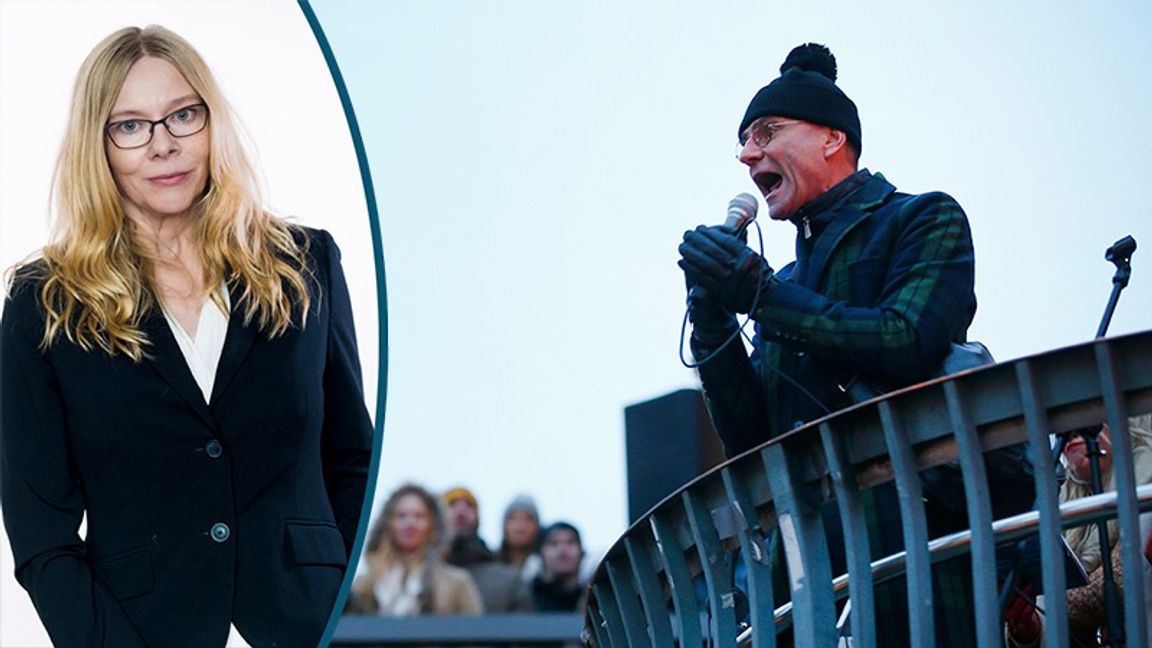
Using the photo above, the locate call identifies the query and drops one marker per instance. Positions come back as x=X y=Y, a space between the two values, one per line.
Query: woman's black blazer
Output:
x=242 y=509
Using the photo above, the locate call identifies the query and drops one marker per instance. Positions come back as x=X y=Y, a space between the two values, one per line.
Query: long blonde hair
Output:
x=1084 y=540
x=380 y=544
x=380 y=553
x=95 y=274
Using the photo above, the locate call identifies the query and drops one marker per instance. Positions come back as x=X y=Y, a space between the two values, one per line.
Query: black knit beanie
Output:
x=806 y=89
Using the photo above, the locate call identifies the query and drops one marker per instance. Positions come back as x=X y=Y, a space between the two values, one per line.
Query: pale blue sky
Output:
x=536 y=164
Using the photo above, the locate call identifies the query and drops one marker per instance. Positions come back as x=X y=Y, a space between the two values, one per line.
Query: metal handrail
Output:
x=1073 y=514
x=780 y=487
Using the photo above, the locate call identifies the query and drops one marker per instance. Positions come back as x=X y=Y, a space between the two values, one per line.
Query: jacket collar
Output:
x=164 y=354
x=815 y=215
x=831 y=216
x=237 y=342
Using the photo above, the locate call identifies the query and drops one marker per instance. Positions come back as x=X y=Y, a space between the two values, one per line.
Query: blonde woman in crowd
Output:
x=179 y=368
x=1086 y=614
x=405 y=575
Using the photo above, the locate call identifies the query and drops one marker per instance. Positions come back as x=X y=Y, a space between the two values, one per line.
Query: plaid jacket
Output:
x=880 y=289
x=881 y=285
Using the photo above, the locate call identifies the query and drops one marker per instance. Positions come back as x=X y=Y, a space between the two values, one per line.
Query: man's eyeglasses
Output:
x=760 y=133
x=134 y=133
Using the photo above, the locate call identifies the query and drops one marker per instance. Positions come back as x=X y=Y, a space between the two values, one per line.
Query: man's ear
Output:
x=834 y=141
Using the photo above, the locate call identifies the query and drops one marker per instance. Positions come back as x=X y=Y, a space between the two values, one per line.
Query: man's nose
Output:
x=749 y=153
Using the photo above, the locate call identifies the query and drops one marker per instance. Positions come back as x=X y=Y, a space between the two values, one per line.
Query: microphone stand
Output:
x=1120 y=254
x=1115 y=623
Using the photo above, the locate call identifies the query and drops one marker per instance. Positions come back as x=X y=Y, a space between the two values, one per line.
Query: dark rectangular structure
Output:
x=669 y=441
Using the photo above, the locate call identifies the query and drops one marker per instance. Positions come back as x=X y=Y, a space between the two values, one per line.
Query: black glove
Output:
x=711 y=322
x=713 y=258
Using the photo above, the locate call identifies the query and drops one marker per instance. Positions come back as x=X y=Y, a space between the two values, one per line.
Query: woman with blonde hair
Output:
x=405 y=575
x=1086 y=614
x=179 y=368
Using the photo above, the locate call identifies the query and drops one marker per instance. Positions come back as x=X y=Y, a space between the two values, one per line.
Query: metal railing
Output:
x=1075 y=513
x=645 y=591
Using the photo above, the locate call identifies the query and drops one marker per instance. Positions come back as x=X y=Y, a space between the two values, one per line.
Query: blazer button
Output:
x=220 y=532
x=214 y=449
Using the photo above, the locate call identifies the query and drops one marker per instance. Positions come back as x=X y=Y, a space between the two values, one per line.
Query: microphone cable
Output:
x=741 y=332
x=747 y=318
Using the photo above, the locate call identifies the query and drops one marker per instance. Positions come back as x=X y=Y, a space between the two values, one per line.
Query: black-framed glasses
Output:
x=134 y=133
x=761 y=132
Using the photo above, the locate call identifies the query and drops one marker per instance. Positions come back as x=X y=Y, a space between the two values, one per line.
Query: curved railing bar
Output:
x=783 y=484
x=1072 y=514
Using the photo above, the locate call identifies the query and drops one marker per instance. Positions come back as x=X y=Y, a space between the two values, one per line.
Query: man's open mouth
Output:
x=768 y=182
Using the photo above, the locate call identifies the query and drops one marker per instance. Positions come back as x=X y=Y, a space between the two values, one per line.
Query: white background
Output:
x=272 y=71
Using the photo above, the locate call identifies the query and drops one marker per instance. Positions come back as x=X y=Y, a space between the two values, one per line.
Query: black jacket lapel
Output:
x=164 y=354
x=237 y=342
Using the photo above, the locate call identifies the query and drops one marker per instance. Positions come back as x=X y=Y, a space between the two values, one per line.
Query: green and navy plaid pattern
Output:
x=880 y=289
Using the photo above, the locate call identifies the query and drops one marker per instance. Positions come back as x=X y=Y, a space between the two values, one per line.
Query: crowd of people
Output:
x=424 y=555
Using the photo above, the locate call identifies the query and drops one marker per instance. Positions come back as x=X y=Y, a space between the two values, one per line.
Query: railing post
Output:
x=806 y=549
x=1123 y=472
x=1047 y=503
x=627 y=601
x=641 y=557
x=987 y=612
x=599 y=625
x=716 y=563
x=754 y=552
x=858 y=549
x=921 y=613
x=610 y=611
x=679 y=581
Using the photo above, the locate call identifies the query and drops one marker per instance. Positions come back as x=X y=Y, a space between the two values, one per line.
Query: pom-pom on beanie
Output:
x=806 y=90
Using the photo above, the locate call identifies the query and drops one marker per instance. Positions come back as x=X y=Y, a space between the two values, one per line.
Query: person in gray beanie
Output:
x=519 y=547
x=882 y=284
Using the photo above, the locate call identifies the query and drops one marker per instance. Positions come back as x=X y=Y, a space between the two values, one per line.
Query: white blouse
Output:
x=203 y=353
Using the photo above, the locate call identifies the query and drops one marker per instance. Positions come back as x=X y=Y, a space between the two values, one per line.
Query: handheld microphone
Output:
x=741 y=212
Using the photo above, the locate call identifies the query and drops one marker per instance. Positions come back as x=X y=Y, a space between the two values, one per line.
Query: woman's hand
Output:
x=1079 y=463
